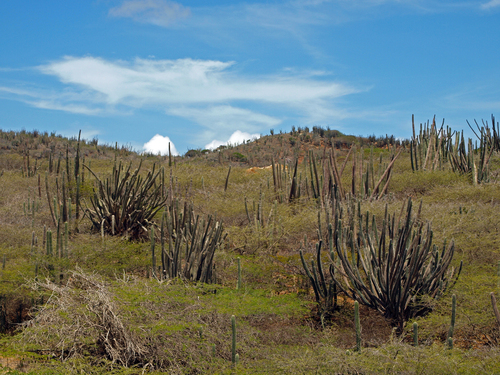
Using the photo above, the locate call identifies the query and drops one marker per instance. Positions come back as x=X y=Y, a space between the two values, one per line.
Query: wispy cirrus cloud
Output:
x=479 y=97
x=146 y=81
x=49 y=100
x=491 y=4
x=210 y=93
x=73 y=108
x=157 y=12
x=177 y=83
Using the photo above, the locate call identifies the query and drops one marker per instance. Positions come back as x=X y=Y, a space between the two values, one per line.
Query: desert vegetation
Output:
x=303 y=252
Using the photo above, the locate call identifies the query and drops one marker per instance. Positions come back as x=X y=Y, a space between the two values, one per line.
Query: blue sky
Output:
x=201 y=73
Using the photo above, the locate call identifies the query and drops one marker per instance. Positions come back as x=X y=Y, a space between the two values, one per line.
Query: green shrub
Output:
x=239 y=157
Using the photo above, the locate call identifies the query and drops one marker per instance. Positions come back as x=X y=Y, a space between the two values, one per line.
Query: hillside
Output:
x=212 y=234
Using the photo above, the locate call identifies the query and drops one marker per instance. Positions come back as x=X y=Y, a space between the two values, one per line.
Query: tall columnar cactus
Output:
x=153 y=255
x=495 y=308
x=227 y=179
x=49 y=200
x=77 y=203
x=49 y=243
x=66 y=239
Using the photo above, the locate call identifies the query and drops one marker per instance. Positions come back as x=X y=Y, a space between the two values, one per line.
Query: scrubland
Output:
x=98 y=303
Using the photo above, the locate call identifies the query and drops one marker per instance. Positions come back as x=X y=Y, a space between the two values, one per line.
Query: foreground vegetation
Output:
x=83 y=291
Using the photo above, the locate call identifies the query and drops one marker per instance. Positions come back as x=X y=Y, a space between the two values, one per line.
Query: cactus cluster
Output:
x=432 y=149
x=29 y=170
x=286 y=186
x=188 y=244
x=326 y=177
x=67 y=189
x=132 y=199
x=395 y=269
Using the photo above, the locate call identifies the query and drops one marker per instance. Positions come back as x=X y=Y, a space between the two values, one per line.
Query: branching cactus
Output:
x=189 y=244
x=132 y=199
x=396 y=270
x=323 y=286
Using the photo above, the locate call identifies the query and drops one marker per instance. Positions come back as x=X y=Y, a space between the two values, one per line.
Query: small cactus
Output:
x=66 y=235
x=239 y=274
x=233 y=344
x=49 y=243
x=452 y=325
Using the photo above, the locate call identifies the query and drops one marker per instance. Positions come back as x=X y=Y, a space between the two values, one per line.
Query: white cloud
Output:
x=157 y=12
x=80 y=109
x=186 y=81
x=213 y=94
x=17 y=92
x=159 y=145
x=220 y=121
x=490 y=4
x=210 y=93
x=50 y=100
x=238 y=137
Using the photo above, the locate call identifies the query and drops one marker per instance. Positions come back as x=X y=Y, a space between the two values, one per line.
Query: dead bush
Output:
x=81 y=318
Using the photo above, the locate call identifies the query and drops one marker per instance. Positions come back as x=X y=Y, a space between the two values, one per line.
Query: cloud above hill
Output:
x=215 y=95
x=238 y=137
x=220 y=122
x=159 y=145
x=211 y=93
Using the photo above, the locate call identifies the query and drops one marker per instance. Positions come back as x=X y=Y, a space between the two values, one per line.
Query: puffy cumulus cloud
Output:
x=238 y=137
x=159 y=145
x=157 y=12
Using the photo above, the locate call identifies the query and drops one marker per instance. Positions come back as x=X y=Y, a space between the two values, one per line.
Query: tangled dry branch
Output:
x=81 y=318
